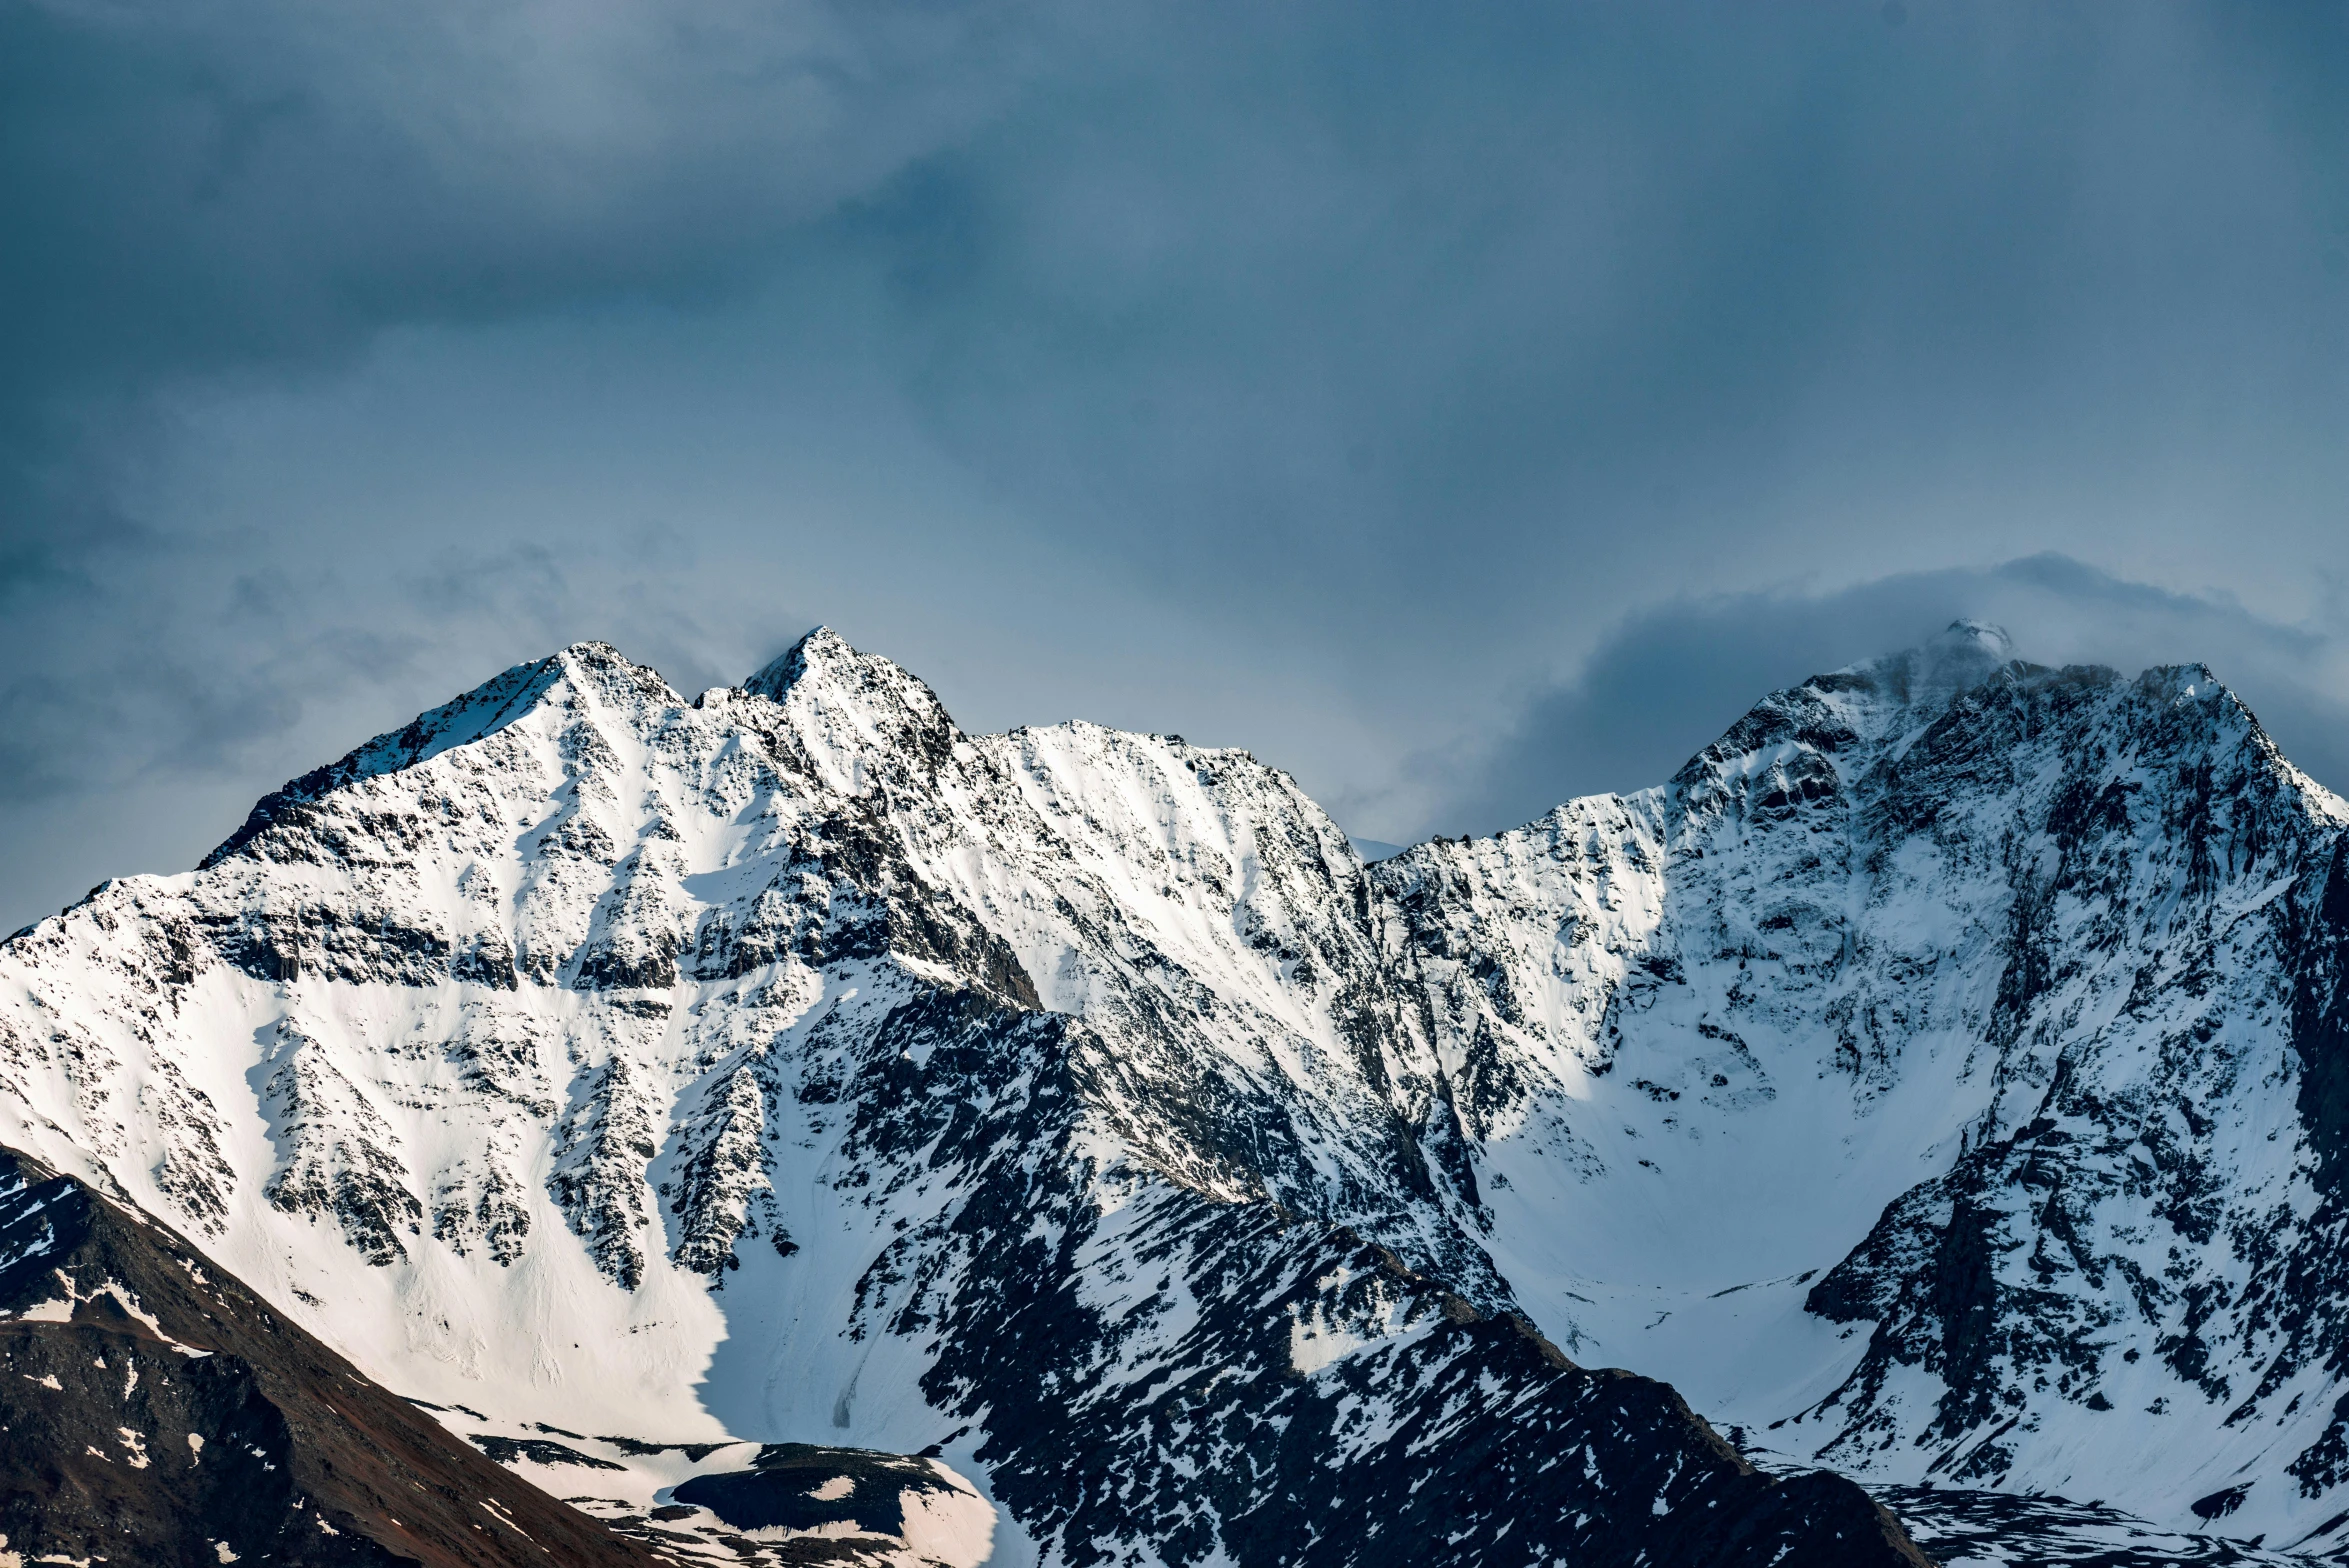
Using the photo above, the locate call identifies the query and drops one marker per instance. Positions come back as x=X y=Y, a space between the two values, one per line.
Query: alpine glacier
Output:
x=1941 y=1081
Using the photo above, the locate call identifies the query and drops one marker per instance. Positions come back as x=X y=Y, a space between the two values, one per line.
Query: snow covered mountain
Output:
x=1940 y=1081
x=788 y=1067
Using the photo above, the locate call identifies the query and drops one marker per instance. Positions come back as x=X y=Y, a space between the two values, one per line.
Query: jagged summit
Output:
x=1964 y=700
x=824 y=661
x=817 y=648
x=496 y=703
x=1986 y=635
x=864 y=692
x=858 y=717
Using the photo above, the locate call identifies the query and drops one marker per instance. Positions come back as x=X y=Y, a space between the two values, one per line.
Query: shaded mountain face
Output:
x=1940 y=1065
x=153 y=1410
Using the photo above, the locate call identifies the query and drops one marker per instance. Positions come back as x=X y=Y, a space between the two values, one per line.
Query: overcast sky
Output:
x=1462 y=407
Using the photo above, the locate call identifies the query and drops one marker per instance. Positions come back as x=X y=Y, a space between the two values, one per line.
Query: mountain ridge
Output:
x=796 y=1023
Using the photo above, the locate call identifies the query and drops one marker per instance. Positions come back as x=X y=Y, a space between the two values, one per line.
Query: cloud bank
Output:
x=1412 y=397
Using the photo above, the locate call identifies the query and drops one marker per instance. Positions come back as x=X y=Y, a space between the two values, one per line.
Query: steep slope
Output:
x=152 y=1410
x=789 y=1066
x=1937 y=1080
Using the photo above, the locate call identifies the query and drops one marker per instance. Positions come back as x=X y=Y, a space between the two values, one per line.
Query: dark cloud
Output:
x=264 y=182
x=1333 y=380
x=1642 y=285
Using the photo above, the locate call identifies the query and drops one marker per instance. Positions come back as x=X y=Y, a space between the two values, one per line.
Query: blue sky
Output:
x=1461 y=407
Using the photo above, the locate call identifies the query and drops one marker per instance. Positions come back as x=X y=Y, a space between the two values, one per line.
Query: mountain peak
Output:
x=1965 y=654
x=824 y=666
x=1962 y=656
x=487 y=707
x=1968 y=638
x=843 y=702
x=820 y=648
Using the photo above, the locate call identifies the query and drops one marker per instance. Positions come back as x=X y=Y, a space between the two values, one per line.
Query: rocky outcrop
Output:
x=153 y=1410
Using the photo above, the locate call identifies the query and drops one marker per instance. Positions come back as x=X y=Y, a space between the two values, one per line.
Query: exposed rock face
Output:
x=152 y=1410
x=796 y=1486
x=789 y=1065
x=758 y=1505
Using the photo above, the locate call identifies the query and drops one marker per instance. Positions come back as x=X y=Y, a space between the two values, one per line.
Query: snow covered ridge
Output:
x=788 y=1066
x=1915 y=1082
